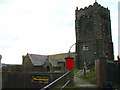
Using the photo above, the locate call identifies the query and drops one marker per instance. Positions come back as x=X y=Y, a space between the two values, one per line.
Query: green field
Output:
x=61 y=56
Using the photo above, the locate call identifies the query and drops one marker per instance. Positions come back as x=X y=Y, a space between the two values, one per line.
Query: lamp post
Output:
x=0 y=65
x=70 y=60
x=85 y=48
x=70 y=65
x=0 y=59
x=70 y=48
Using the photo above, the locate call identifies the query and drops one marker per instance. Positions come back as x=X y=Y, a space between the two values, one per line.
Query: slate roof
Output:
x=37 y=60
x=54 y=63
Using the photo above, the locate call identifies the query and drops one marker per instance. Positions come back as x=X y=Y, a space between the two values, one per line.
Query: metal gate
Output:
x=113 y=73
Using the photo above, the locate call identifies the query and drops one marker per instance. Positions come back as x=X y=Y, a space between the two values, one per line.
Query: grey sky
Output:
x=43 y=27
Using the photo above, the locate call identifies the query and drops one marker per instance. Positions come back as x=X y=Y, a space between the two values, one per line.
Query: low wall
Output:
x=28 y=79
x=107 y=72
x=101 y=71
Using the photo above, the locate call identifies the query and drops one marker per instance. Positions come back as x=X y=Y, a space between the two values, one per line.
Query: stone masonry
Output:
x=93 y=30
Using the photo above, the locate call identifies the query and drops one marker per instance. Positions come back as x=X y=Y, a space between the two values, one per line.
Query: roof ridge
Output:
x=38 y=54
x=60 y=53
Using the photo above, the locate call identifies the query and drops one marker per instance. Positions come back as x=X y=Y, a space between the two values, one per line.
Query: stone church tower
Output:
x=93 y=35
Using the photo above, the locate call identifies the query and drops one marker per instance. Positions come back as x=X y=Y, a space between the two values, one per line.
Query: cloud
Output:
x=40 y=27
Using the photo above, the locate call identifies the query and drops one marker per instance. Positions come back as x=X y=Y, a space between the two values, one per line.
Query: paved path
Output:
x=81 y=83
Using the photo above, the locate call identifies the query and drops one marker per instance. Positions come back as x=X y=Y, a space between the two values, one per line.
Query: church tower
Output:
x=93 y=35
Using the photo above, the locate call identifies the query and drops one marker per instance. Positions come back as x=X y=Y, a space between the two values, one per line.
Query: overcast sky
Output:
x=44 y=26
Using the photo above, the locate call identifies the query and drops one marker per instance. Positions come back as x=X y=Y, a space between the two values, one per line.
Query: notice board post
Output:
x=70 y=67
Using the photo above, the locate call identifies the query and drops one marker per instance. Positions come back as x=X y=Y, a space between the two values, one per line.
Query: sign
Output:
x=69 y=63
x=40 y=79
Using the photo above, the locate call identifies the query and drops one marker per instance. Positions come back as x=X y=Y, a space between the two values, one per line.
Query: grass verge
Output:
x=90 y=77
x=68 y=87
x=76 y=71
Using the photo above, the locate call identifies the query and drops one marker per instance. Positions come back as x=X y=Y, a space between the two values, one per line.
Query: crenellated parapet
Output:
x=95 y=8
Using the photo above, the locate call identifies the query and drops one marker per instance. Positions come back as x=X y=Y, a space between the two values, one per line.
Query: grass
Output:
x=76 y=71
x=61 y=56
x=65 y=88
x=90 y=77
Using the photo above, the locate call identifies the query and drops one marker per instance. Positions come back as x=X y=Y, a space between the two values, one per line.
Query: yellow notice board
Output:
x=40 y=79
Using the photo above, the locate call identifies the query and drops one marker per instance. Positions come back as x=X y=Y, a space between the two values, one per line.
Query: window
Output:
x=48 y=69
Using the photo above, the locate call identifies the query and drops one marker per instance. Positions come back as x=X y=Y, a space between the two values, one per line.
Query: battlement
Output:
x=95 y=8
x=90 y=7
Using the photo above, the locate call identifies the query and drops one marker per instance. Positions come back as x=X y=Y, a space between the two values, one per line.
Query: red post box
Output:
x=69 y=63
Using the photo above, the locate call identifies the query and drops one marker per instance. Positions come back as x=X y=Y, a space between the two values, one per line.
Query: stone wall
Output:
x=49 y=65
x=26 y=62
x=101 y=71
x=93 y=29
x=28 y=66
x=62 y=65
x=12 y=68
x=107 y=73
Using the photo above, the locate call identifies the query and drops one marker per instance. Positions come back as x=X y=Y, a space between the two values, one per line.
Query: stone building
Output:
x=93 y=34
x=41 y=63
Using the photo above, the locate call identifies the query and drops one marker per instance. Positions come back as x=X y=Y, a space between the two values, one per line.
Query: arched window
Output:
x=48 y=69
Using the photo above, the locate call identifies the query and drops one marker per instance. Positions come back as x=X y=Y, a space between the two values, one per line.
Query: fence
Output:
x=113 y=73
x=28 y=79
x=62 y=80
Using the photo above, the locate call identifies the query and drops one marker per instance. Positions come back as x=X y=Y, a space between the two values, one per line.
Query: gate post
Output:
x=0 y=73
x=71 y=76
x=119 y=68
x=70 y=67
x=101 y=71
